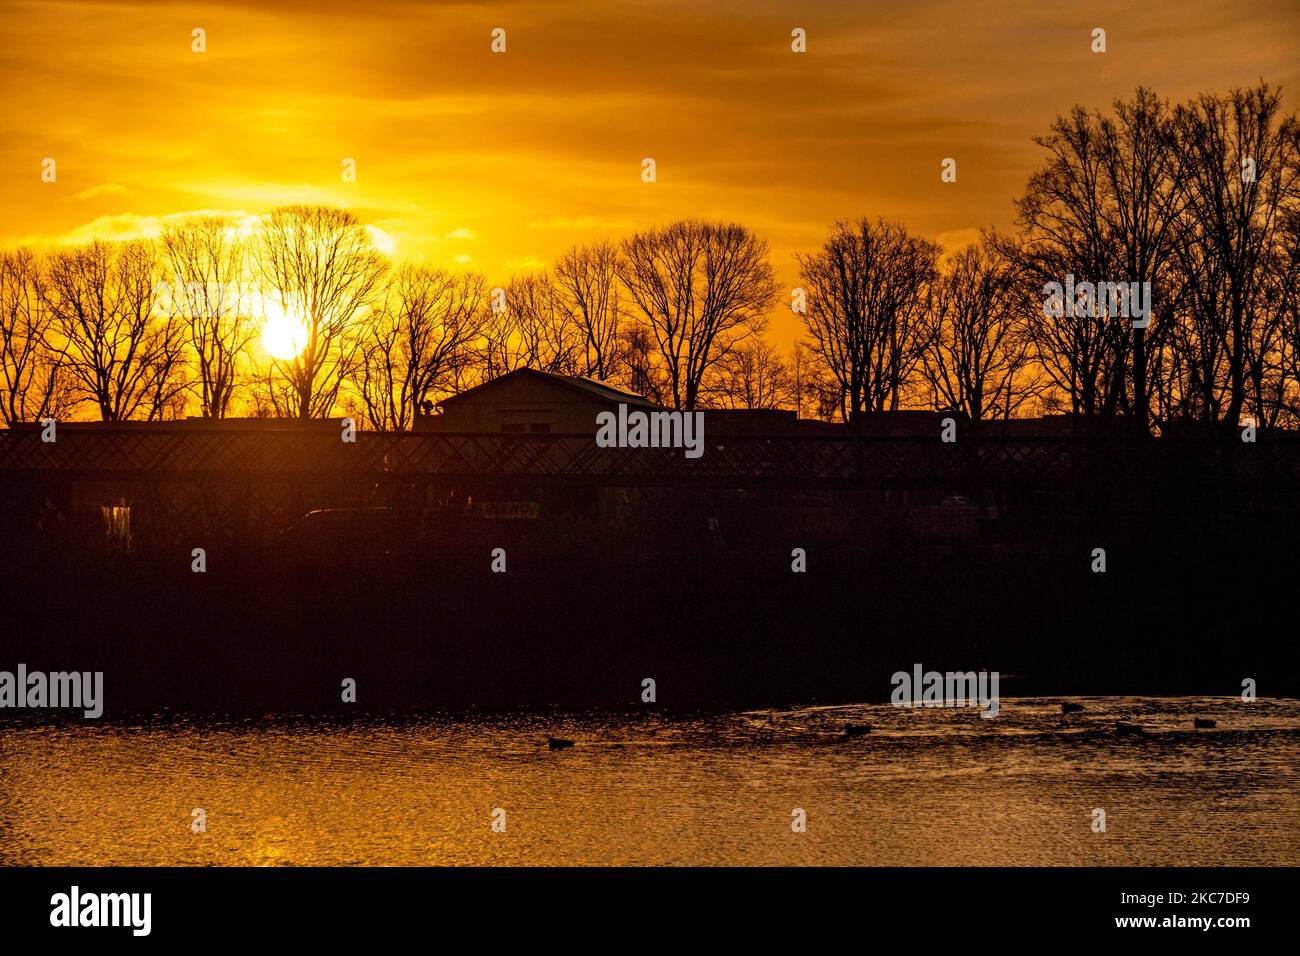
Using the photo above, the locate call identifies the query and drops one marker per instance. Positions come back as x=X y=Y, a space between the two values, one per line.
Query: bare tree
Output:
x=32 y=385
x=816 y=391
x=977 y=356
x=586 y=278
x=1242 y=184
x=1269 y=353
x=867 y=289
x=1104 y=208
x=419 y=341
x=322 y=269
x=752 y=375
x=208 y=262
x=702 y=289
x=1287 y=286
x=640 y=366
x=533 y=331
x=121 y=355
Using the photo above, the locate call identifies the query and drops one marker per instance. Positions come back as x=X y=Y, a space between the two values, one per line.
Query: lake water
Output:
x=925 y=787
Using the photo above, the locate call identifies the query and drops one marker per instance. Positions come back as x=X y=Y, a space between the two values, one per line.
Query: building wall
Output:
x=523 y=404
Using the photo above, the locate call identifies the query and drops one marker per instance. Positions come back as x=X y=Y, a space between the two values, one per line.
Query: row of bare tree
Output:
x=1201 y=200
x=151 y=329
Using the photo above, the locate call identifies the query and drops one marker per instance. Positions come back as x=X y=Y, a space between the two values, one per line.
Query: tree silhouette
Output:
x=32 y=383
x=1242 y=188
x=321 y=268
x=209 y=270
x=120 y=355
x=702 y=288
x=421 y=336
x=977 y=356
x=586 y=280
x=867 y=290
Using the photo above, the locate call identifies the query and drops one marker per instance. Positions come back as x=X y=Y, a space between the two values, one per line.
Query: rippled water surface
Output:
x=925 y=787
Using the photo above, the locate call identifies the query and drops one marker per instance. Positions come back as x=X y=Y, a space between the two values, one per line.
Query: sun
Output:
x=283 y=336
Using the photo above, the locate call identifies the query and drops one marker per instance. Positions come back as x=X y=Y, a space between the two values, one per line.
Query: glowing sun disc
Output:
x=284 y=338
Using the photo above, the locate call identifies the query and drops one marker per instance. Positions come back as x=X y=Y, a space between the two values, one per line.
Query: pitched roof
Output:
x=587 y=386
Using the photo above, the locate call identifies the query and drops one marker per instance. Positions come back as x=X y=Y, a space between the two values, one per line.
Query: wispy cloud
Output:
x=527 y=152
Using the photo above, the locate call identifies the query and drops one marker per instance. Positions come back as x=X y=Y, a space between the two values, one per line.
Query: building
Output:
x=529 y=401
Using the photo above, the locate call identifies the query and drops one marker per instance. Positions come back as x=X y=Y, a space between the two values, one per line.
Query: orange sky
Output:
x=498 y=162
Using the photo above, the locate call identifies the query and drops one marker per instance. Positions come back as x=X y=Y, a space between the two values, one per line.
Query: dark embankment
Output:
x=1188 y=604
